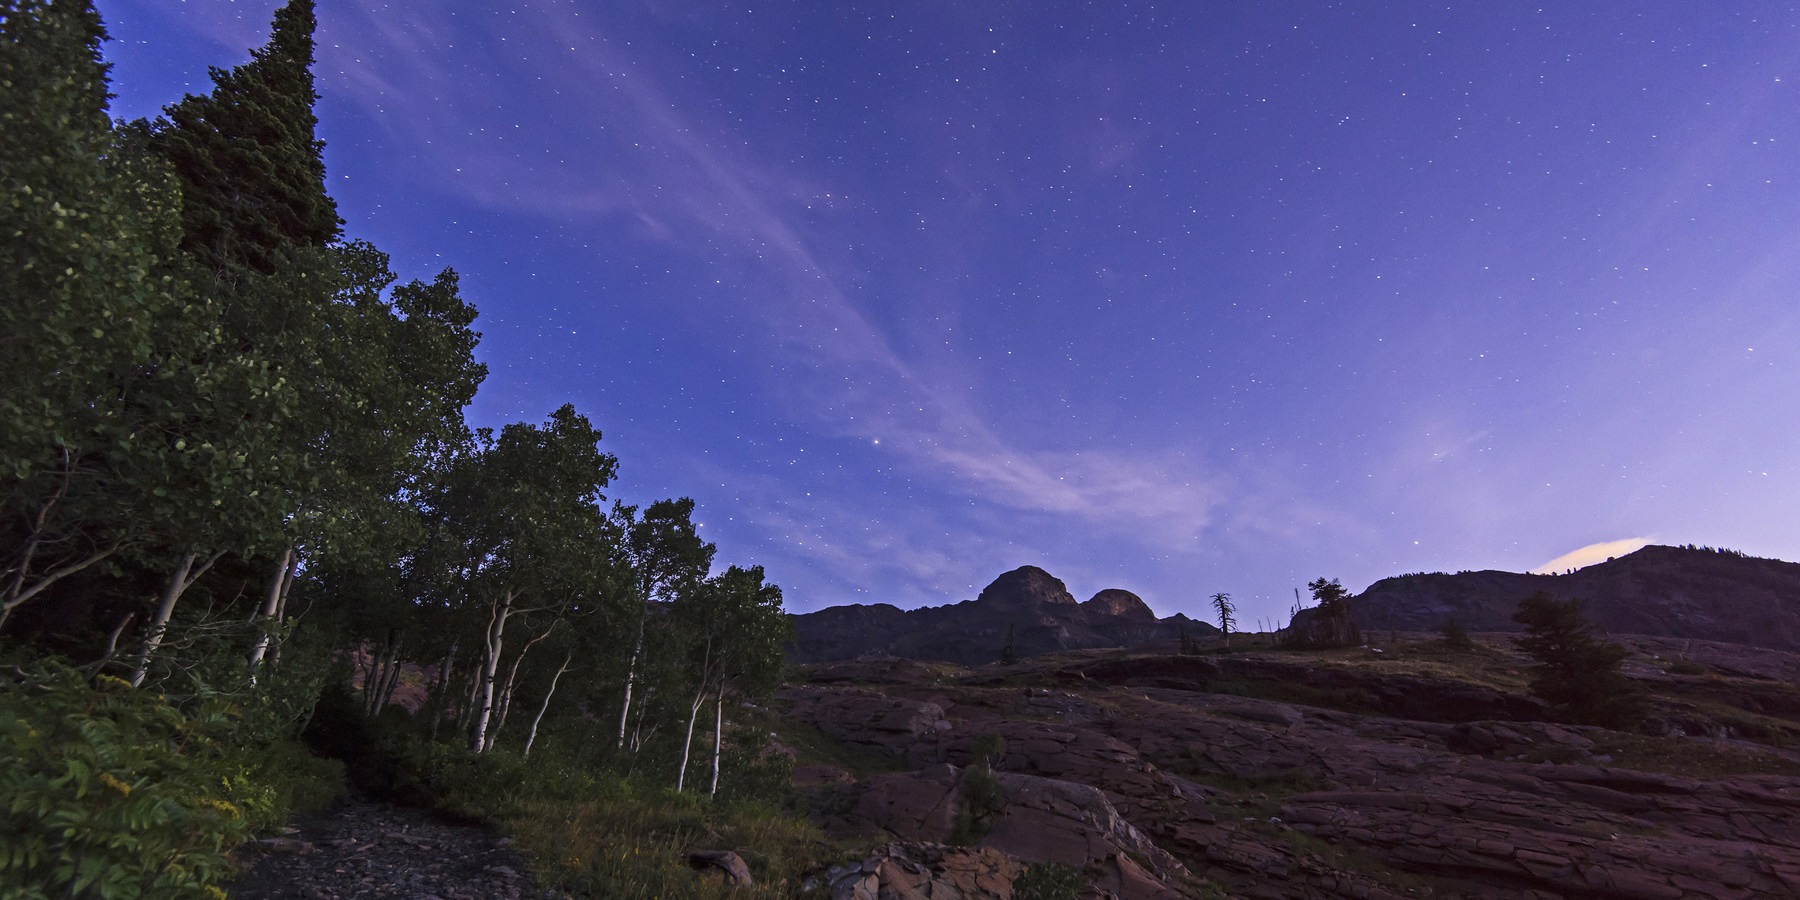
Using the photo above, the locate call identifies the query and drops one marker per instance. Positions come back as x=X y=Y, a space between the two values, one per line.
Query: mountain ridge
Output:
x=1026 y=608
x=1690 y=592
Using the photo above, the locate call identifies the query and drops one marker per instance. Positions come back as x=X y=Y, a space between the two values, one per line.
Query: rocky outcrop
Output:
x=1027 y=588
x=1027 y=608
x=1040 y=820
x=1133 y=764
x=1119 y=604
x=1579 y=830
x=1661 y=591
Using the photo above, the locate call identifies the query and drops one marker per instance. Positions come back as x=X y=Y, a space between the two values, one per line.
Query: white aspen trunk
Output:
x=718 y=738
x=688 y=742
x=480 y=740
x=637 y=651
x=287 y=587
x=512 y=677
x=270 y=609
x=184 y=576
x=694 y=713
x=531 y=737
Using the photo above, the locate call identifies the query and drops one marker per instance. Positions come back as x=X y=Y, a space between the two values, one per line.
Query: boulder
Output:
x=917 y=870
x=722 y=865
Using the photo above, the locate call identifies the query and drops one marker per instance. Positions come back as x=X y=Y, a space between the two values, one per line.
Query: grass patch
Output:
x=617 y=840
x=1347 y=699
x=1690 y=757
x=814 y=747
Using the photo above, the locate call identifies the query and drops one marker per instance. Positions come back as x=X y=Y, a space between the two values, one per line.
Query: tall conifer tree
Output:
x=249 y=157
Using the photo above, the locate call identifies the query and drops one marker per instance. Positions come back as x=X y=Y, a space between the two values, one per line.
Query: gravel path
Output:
x=367 y=850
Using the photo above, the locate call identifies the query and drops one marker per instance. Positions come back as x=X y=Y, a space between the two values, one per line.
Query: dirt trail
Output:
x=364 y=849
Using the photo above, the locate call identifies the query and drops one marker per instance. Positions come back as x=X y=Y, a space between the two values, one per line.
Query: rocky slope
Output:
x=1027 y=606
x=1419 y=771
x=1669 y=591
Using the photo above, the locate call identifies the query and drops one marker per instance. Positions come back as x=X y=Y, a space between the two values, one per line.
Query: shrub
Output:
x=112 y=792
x=1456 y=636
x=982 y=797
x=1577 y=674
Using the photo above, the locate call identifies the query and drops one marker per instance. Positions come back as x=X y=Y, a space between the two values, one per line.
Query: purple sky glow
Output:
x=1179 y=298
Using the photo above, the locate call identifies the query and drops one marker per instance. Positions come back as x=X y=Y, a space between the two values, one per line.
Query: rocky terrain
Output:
x=1408 y=769
x=1668 y=591
x=1027 y=607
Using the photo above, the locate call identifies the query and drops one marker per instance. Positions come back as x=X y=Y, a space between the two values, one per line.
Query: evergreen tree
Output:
x=1577 y=674
x=251 y=166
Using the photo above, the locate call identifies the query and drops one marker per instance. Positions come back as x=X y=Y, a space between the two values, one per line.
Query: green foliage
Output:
x=110 y=792
x=982 y=797
x=1577 y=675
x=1049 y=881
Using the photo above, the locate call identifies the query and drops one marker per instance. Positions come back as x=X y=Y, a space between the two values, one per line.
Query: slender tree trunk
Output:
x=369 y=661
x=531 y=737
x=466 y=715
x=287 y=588
x=390 y=677
x=440 y=696
x=631 y=667
x=480 y=739
x=184 y=576
x=688 y=742
x=694 y=713
x=718 y=737
x=512 y=677
x=270 y=611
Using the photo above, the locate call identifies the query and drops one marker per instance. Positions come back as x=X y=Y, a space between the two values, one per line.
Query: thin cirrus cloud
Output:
x=1593 y=553
x=688 y=182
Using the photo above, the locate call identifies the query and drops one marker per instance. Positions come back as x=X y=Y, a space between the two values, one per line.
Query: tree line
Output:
x=235 y=458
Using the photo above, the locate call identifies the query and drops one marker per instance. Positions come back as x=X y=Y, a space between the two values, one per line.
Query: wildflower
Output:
x=222 y=806
x=107 y=778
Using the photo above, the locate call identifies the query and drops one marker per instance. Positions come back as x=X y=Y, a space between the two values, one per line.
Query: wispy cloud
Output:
x=1591 y=554
x=692 y=183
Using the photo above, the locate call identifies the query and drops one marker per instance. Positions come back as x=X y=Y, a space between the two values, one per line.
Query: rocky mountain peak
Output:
x=1026 y=586
x=1119 y=602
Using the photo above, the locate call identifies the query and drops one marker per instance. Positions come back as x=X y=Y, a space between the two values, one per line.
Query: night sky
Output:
x=1178 y=298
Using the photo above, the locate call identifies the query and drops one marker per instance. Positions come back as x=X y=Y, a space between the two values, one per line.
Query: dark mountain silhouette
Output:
x=1682 y=592
x=1027 y=606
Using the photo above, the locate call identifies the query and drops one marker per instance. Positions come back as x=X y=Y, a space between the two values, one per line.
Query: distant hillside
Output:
x=1028 y=603
x=1668 y=591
